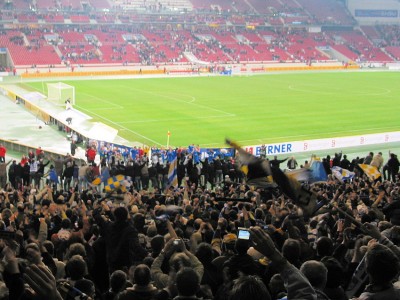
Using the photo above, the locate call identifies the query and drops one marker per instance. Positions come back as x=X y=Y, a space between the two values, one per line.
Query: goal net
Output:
x=59 y=93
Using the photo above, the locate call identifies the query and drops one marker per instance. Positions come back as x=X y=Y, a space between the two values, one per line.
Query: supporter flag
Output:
x=172 y=172
x=371 y=171
x=96 y=181
x=342 y=174
x=105 y=174
x=317 y=171
x=259 y=170
x=120 y=182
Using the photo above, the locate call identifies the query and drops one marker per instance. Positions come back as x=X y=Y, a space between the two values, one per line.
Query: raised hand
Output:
x=42 y=282
x=263 y=243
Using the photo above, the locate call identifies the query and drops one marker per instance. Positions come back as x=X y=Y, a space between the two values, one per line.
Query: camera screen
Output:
x=244 y=234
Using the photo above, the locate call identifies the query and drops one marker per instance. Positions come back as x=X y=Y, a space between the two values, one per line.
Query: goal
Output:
x=60 y=92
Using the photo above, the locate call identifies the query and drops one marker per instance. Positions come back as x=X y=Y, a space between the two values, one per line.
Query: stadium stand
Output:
x=237 y=35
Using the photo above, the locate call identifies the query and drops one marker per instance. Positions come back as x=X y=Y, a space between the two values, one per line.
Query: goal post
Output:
x=60 y=92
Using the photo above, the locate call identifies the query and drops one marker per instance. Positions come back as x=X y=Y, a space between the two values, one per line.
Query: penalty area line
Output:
x=175 y=119
x=102 y=100
x=122 y=127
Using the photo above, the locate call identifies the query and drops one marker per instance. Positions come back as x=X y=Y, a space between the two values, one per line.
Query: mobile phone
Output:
x=244 y=234
x=70 y=293
x=176 y=242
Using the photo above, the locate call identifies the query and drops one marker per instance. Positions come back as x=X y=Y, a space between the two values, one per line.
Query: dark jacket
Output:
x=122 y=243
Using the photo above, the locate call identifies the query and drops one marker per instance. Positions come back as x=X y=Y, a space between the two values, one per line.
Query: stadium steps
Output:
x=251 y=6
x=389 y=54
x=193 y=59
x=57 y=51
x=343 y=53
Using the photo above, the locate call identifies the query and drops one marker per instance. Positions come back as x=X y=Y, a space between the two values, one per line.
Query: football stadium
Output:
x=199 y=149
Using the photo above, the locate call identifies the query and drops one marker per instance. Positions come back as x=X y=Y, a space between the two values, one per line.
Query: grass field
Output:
x=251 y=110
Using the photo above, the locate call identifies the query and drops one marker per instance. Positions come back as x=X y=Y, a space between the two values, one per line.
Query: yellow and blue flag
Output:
x=342 y=174
x=173 y=171
x=105 y=174
x=371 y=171
x=120 y=182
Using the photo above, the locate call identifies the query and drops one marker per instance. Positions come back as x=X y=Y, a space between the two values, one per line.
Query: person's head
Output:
x=33 y=254
x=120 y=214
x=86 y=286
x=66 y=223
x=77 y=249
x=324 y=246
x=151 y=231
x=229 y=242
x=76 y=267
x=141 y=275
x=291 y=250
x=315 y=272
x=49 y=247
x=179 y=261
x=138 y=221
x=188 y=210
x=249 y=287
x=148 y=261
x=383 y=225
x=118 y=281
x=187 y=282
x=259 y=214
x=222 y=223
x=335 y=272
x=382 y=265
x=157 y=243
x=197 y=223
x=204 y=253
x=277 y=286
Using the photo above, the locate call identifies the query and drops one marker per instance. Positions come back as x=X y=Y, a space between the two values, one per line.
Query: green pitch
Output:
x=251 y=110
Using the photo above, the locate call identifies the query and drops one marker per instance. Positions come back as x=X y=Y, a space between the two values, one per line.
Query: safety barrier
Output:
x=92 y=73
x=162 y=71
x=311 y=68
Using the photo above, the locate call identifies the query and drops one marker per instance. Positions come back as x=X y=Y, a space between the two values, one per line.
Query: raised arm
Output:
x=298 y=286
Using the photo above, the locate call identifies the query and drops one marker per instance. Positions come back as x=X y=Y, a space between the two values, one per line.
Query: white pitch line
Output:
x=102 y=100
x=102 y=108
x=195 y=104
x=182 y=101
x=176 y=119
x=123 y=127
x=385 y=91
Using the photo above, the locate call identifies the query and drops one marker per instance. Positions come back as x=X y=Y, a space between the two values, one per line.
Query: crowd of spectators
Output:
x=204 y=239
